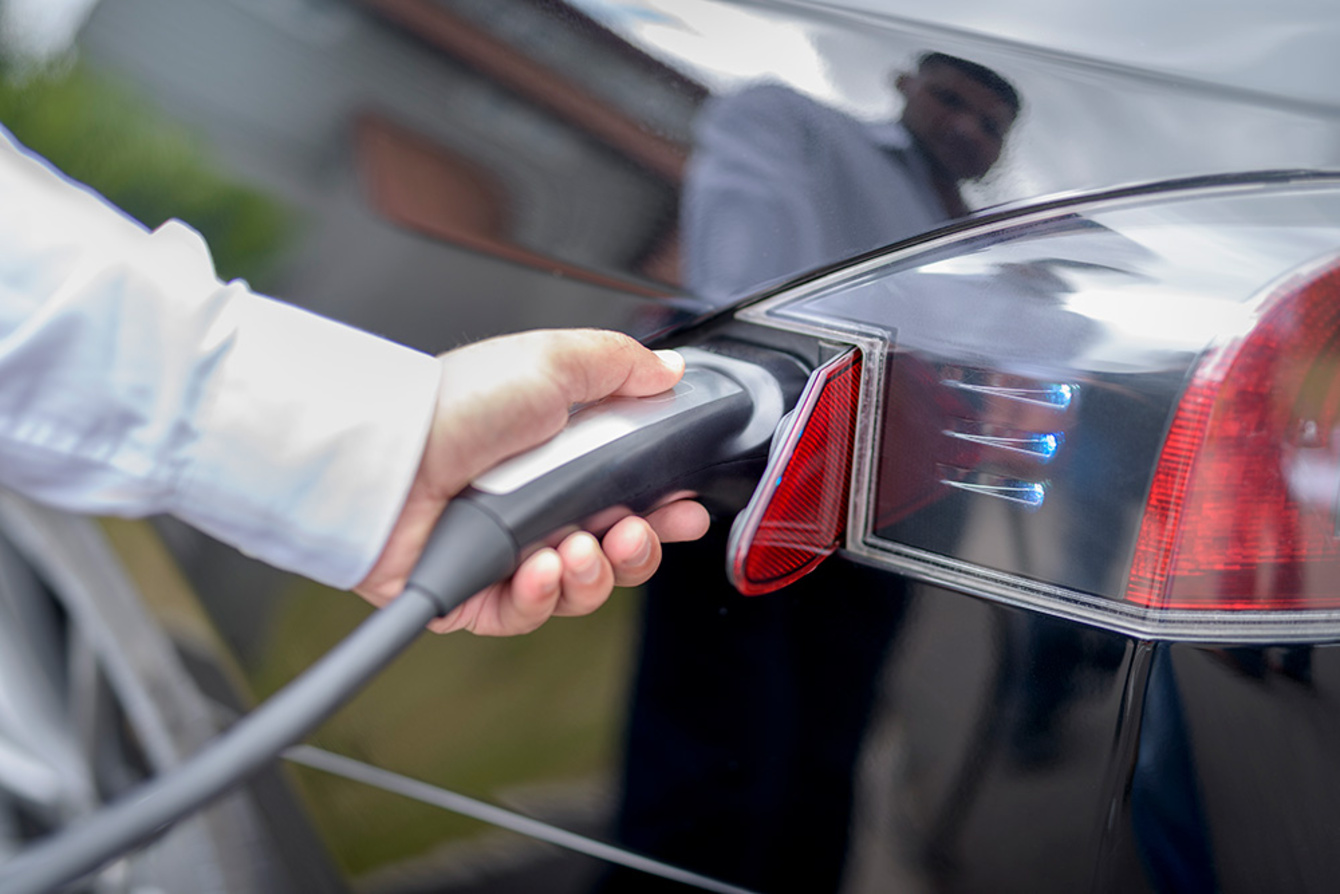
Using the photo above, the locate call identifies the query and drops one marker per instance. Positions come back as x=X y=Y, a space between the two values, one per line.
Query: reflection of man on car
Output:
x=779 y=183
x=749 y=714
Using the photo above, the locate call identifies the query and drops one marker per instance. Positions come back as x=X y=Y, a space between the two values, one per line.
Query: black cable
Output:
x=467 y=556
x=714 y=427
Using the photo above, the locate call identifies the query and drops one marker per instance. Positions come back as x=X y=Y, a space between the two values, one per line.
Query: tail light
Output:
x=1123 y=410
x=1242 y=513
x=798 y=515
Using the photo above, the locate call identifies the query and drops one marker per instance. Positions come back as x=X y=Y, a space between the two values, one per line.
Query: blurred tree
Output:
x=100 y=133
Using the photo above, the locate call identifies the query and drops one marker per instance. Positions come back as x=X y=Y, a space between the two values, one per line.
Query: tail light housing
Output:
x=1242 y=512
x=1121 y=409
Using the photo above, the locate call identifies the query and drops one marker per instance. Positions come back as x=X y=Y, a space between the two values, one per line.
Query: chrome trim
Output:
x=1237 y=627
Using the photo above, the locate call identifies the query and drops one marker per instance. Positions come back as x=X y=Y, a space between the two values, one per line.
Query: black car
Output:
x=1038 y=590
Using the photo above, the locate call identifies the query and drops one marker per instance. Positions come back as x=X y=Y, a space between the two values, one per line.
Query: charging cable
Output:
x=707 y=435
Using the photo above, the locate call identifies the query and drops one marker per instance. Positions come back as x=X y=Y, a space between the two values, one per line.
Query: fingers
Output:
x=573 y=579
x=634 y=551
x=512 y=607
x=632 y=546
x=588 y=576
x=500 y=397
x=680 y=521
x=576 y=577
x=628 y=555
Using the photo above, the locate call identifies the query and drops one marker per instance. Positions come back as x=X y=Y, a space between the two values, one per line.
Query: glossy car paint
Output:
x=451 y=170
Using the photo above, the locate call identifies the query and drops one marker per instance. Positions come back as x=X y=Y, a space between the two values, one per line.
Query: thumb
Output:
x=589 y=364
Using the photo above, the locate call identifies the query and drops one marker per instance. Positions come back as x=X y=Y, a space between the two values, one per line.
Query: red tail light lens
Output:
x=798 y=515
x=1242 y=513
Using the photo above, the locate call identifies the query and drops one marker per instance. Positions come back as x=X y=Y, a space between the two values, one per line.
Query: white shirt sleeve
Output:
x=133 y=382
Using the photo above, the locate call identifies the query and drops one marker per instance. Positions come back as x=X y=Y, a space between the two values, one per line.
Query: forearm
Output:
x=133 y=382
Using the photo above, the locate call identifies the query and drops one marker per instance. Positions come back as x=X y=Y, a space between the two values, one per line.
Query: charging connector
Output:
x=708 y=436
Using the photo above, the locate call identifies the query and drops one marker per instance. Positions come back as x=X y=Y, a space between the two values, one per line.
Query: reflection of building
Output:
x=578 y=81
x=438 y=116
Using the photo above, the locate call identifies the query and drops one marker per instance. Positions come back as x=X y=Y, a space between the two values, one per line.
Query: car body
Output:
x=995 y=684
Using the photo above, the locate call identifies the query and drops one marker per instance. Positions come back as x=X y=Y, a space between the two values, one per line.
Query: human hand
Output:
x=498 y=398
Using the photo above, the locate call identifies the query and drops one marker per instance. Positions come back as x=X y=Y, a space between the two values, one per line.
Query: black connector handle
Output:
x=708 y=436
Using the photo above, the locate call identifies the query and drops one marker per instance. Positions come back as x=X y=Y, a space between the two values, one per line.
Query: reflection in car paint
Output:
x=863 y=731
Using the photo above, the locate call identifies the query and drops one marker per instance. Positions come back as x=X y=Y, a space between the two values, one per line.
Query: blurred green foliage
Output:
x=102 y=134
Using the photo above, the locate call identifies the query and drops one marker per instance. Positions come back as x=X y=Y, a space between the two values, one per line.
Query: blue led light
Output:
x=1042 y=447
x=1061 y=395
x=1026 y=493
x=1057 y=396
x=1046 y=446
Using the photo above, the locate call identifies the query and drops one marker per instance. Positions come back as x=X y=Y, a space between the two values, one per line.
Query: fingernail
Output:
x=673 y=360
x=643 y=553
x=585 y=562
x=551 y=570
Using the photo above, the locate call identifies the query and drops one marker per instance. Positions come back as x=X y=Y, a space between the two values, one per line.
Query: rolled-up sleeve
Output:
x=133 y=382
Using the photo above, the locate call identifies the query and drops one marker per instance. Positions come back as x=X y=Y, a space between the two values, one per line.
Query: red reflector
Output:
x=1242 y=513
x=798 y=514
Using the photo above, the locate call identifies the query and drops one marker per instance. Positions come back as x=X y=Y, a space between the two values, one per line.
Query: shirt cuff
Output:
x=310 y=434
